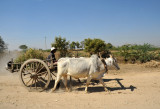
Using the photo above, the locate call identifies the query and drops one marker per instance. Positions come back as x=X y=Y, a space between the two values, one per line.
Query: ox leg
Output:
x=65 y=82
x=56 y=82
x=70 y=83
x=87 y=84
x=102 y=82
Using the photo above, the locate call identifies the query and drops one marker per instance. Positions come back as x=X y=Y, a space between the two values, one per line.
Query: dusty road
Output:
x=133 y=87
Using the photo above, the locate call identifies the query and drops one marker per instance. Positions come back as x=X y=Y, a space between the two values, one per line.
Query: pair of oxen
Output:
x=93 y=68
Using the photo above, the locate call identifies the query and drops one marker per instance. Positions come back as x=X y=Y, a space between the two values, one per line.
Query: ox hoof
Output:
x=67 y=90
x=106 y=90
x=86 y=92
x=70 y=90
x=52 y=90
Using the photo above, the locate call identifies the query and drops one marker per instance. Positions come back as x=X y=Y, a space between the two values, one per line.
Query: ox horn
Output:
x=110 y=56
x=100 y=55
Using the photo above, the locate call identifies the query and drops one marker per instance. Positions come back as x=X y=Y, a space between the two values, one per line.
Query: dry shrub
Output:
x=152 y=64
x=31 y=54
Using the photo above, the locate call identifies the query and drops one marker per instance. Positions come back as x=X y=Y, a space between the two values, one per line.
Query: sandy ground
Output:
x=133 y=87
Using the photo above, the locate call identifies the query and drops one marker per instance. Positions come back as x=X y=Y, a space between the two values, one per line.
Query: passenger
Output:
x=51 y=57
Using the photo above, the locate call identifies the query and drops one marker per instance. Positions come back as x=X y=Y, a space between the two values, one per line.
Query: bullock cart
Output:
x=35 y=74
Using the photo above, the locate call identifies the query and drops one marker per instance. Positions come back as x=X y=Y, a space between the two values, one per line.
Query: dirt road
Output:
x=133 y=87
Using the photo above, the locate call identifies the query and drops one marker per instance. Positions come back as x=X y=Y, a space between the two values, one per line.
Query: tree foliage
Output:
x=77 y=44
x=129 y=52
x=73 y=45
x=109 y=46
x=82 y=44
x=142 y=53
x=61 y=45
x=94 y=46
x=124 y=51
x=30 y=54
x=23 y=47
x=3 y=46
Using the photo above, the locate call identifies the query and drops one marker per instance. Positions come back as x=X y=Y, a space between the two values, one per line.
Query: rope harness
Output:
x=105 y=65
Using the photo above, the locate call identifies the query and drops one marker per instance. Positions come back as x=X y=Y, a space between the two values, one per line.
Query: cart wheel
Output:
x=35 y=75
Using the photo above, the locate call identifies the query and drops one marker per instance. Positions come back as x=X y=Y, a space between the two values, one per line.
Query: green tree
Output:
x=23 y=47
x=3 y=46
x=73 y=45
x=61 y=45
x=77 y=44
x=143 y=53
x=124 y=51
x=94 y=46
x=30 y=54
x=109 y=46
x=82 y=44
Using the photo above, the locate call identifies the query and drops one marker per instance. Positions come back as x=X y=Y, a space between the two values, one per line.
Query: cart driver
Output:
x=51 y=57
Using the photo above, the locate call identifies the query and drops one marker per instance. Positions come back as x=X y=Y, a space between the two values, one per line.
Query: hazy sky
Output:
x=116 y=21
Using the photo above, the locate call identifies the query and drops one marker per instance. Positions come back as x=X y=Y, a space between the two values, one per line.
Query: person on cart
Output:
x=51 y=57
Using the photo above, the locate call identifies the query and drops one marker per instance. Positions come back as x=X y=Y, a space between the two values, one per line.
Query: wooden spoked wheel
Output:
x=35 y=75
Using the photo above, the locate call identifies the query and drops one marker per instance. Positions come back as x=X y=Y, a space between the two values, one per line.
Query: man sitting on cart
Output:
x=51 y=59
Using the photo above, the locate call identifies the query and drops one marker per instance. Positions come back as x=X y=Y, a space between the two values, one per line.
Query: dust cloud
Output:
x=4 y=58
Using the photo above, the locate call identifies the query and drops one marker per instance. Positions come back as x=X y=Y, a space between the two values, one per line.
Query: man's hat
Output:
x=53 y=48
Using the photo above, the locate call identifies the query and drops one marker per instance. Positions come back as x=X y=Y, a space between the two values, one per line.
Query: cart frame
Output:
x=35 y=74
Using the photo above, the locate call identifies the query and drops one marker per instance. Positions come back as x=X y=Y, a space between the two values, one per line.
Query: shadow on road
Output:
x=82 y=84
x=101 y=89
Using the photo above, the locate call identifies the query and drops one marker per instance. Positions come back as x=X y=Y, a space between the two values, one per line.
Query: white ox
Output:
x=92 y=68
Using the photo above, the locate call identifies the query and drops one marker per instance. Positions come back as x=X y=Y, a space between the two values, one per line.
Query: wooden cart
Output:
x=35 y=74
